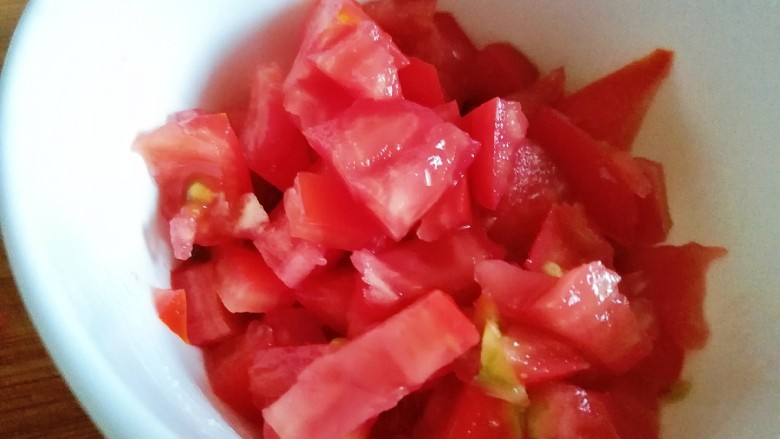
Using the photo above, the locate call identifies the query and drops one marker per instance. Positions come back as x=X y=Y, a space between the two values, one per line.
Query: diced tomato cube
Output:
x=320 y=209
x=407 y=21
x=452 y=52
x=609 y=183
x=198 y=165
x=274 y=370
x=290 y=258
x=208 y=321
x=452 y=212
x=612 y=108
x=373 y=372
x=511 y=288
x=477 y=415
x=273 y=146
x=567 y=239
x=653 y=208
x=499 y=70
x=500 y=127
x=171 y=306
x=420 y=83
x=397 y=157
x=449 y=112
x=561 y=410
x=328 y=295
x=538 y=356
x=244 y=281
x=545 y=91
x=586 y=308
x=675 y=279
x=535 y=185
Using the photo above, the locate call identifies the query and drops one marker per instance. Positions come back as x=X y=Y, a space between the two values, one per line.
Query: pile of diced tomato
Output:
x=405 y=235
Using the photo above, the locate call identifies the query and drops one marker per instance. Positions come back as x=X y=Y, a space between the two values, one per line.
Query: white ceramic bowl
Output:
x=84 y=76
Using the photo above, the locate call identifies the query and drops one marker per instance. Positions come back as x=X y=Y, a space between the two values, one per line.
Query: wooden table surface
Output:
x=34 y=400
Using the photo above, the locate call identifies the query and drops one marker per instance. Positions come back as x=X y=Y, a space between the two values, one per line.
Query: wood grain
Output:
x=34 y=400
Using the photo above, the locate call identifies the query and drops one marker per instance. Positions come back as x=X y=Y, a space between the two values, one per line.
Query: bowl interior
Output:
x=78 y=205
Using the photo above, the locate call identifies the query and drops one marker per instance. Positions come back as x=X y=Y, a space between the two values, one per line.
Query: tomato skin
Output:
x=613 y=107
x=568 y=239
x=675 y=279
x=499 y=126
x=586 y=308
x=561 y=411
x=273 y=146
x=397 y=184
x=373 y=372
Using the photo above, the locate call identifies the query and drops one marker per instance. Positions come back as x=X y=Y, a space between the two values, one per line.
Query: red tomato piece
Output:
x=208 y=321
x=586 y=308
x=320 y=209
x=244 y=281
x=407 y=21
x=274 y=370
x=452 y=52
x=634 y=413
x=397 y=422
x=609 y=183
x=420 y=83
x=205 y=191
x=537 y=356
x=561 y=410
x=452 y=211
x=499 y=126
x=373 y=372
x=654 y=208
x=290 y=258
x=344 y=55
x=171 y=306
x=535 y=185
x=567 y=240
x=612 y=108
x=397 y=157
x=328 y=295
x=294 y=327
x=675 y=279
x=477 y=415
x=273 y=146
x=511 y=288
x=227 y=367
x=499 y=70
x=547 y=90
x=449 y=112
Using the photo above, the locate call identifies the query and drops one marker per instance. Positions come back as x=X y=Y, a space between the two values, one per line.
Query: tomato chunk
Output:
x=511 y=288
x=499 y=70
x=328 y=295
x=537 y=356
x=420 y=83
x=453 y=211
x=274 y=370
x=586 y=308
x=397 y=157
x=565 y=411
x=373 y=372
x=477 y=415
x=171 y=307
x=273 y=146
x=612 y=108
x=545 y=91
x=499 y=126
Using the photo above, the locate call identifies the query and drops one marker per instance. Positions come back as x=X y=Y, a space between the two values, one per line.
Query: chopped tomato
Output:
x=275 y=369
x=452 y=212
x=320 y=209
x=654 y=208
x=545 y=91
x=273 y=146
x=564 y=411
x=586 y=308
x=397 y=157
x=373 y=372
x=477 y=415
x=500 y=127
x=328 y=295
x=208 y=321
x=420 y=83
x=171 y=307
x=674 y=278
x=535 y=185
x=511 y=288
x=499 y=70
x=567 y=239
x=244 y=281
x=612 y=108
x=537 y=356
